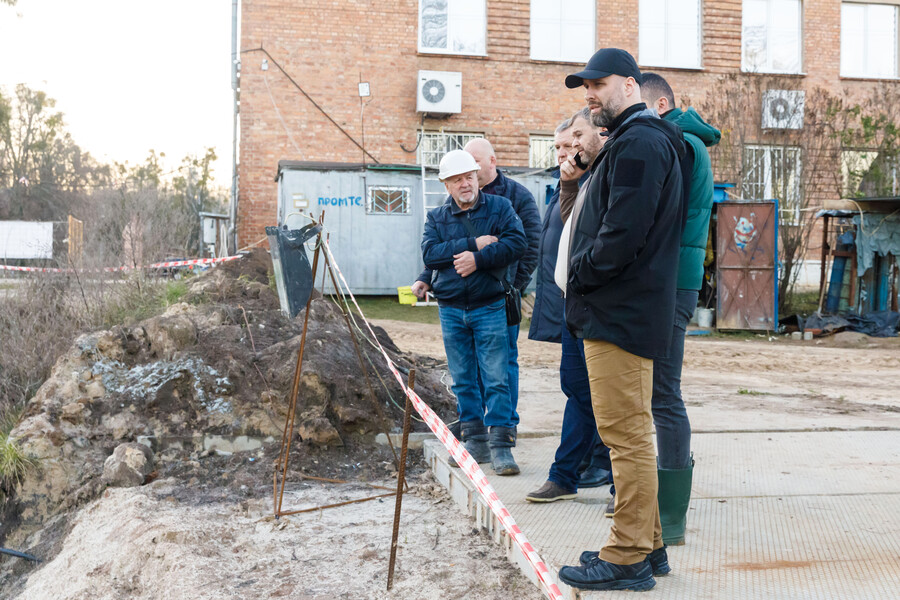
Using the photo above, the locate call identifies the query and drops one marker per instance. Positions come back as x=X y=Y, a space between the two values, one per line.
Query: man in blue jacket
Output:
x=491 y=180
x=471 y=241
x=673 y=429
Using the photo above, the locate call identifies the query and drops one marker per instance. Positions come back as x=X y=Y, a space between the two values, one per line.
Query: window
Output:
x=452 y=26
x=771 y=36
x=669 y=33
x=388 y=201
x=868 y=40
x=435 y=144
x=563 y=30
x=870 y=174
x=774 y=172
x=541 y=152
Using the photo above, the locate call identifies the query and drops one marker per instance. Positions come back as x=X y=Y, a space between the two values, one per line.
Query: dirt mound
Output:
x=206 y=380
x=255 y=265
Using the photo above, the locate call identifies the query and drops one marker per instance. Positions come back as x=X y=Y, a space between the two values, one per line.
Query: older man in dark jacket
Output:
x=620 y=298
x=471 y=241
x=492 y=181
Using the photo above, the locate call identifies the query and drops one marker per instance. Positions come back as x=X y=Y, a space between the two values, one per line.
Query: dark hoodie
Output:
x=623 y=258
x=699 y=135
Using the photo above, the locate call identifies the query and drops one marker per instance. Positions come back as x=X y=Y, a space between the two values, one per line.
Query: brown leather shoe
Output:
x=550 y=492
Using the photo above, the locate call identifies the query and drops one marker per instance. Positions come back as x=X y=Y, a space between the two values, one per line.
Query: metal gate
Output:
x=747 y=265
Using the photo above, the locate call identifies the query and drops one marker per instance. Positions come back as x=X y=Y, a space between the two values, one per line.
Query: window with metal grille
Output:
x=388 y=201
x=774 y=172
x=435 y=144
x=541 y=153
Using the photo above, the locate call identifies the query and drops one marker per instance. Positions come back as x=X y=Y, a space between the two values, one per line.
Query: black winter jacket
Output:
x=623 y=259
x=523 y=203
x=446 y=235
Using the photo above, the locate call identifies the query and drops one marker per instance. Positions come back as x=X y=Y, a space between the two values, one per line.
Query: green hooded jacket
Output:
x=699 y=135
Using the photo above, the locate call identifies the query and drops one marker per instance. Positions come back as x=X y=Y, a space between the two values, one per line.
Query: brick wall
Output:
x=326 y=46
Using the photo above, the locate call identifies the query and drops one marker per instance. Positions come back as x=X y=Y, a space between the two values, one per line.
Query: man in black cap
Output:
x=620 y=298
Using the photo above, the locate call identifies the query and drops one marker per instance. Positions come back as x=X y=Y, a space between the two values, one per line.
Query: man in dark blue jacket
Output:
x=493 y=181
x=620 y=298
x=471 y=241
x=578 y=440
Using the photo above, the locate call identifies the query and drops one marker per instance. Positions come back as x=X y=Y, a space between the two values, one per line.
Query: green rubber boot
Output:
x=674 y=500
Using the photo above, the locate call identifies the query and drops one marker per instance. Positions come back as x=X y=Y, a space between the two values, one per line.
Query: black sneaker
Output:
x=659 y=560
x=602 y=575
x=550 y=492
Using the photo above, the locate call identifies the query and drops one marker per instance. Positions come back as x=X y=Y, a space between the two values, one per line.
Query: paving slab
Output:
x=774 y=515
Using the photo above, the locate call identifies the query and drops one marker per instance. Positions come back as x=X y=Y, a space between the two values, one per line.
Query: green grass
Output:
x=13 y=462
x=746 y=392
x=801 y=303
x=388 y=307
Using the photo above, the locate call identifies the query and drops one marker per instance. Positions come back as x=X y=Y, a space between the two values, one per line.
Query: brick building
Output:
x=513 y=56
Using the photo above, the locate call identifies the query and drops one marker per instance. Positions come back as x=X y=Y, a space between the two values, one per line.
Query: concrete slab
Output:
x=774 y=515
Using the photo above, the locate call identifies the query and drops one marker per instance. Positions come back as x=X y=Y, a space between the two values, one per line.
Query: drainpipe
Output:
x=235 y=67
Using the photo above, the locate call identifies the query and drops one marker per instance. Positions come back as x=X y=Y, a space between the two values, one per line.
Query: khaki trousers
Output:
x=621 y=391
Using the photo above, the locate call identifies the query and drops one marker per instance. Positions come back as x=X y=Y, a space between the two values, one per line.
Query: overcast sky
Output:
x=129 y=76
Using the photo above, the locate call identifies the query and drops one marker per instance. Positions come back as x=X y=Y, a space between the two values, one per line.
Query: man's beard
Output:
x=608 y=112
x=605 y=117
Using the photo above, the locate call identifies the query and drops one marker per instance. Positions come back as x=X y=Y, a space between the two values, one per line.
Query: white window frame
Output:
x=433 y=145
x=451 y=28
x=896 y=49
x=370 y=200
x=562 y=26
x=539 y=158
x=667 y=61
x=766 y=188
x=771 y=19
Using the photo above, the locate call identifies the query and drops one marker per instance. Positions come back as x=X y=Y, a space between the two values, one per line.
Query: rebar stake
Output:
x=401 y=477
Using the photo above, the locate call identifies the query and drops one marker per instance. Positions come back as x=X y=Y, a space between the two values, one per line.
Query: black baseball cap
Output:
x=606 y=62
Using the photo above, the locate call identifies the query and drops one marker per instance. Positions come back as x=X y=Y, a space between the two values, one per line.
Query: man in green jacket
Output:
x=673 y=429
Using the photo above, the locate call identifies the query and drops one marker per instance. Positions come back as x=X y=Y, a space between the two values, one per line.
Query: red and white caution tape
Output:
x=461 y=455
x=159 y=265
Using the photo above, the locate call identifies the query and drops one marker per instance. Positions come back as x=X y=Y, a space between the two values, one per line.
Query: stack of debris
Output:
x=209 y=377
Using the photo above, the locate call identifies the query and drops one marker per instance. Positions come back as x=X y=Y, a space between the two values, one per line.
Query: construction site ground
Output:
x=796 y=490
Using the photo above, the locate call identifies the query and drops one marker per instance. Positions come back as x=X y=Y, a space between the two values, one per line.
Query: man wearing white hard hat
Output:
x=471 y=241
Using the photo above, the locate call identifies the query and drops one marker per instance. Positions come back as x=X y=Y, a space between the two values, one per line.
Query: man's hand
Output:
x=464 y=263
x=419 y=288
x=485 y=240
x=569 y=171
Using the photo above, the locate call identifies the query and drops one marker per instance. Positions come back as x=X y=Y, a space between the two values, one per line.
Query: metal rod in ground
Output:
x=401 y=478
x=362 y=366
x=284 y=455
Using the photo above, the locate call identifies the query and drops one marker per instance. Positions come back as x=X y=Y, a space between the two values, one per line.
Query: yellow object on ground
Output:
x=405 y=295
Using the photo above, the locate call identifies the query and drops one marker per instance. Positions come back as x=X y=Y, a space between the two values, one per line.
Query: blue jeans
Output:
x=673 y=429
x=477 y=343
x=579 y=430
x=512 y=372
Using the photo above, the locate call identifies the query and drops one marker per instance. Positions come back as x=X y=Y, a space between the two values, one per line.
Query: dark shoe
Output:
x=550 y=492
x=475 y=437
x=502 y=440
x=610 y=508
x=659 y=560
x=602 y=575
x=674 y=500
x=593 y=477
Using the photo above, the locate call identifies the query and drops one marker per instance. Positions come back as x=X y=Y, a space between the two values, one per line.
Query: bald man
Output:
x=493 y=181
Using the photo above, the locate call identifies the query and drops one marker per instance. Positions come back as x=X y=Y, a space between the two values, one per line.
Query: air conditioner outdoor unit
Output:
x=783 y=109
x=439 y=92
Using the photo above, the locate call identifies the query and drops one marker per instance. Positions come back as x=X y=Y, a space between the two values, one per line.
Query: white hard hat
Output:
x=456 y=162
